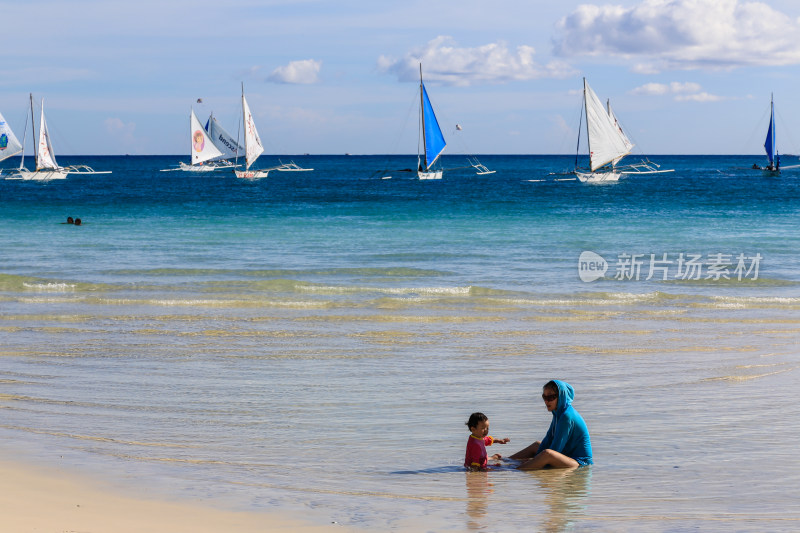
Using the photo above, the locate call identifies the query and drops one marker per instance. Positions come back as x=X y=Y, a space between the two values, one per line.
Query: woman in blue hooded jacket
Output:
x=567 y=443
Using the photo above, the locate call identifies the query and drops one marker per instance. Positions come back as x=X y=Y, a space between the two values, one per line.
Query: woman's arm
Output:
x=561 y=434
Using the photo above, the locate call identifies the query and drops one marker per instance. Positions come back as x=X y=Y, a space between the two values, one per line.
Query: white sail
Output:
x=9 y=144
x=606 y=142
x=616 y=123
x=252 y=142
x=222 y=139
x=202 y=148
x=45 y=158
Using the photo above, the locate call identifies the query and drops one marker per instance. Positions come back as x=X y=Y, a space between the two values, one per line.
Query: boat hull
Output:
x=39 y=175
x=598 y=177
x=435 y=175
x=202 y=168
x=251 y=174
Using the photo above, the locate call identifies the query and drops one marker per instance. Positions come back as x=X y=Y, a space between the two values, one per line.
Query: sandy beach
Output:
x=57 y=501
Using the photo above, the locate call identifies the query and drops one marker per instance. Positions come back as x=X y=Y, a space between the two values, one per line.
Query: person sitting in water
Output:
x=70 y=221
x=476 y=456
x=77 y=222
x=567 y=443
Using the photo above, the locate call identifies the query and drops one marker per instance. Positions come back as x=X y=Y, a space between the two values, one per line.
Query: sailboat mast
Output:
x=578 y=145
x=238 y=132
x=422 y=114
x=608 y=110
x=772 y=126
x=244 y=128
x=24 y=135
x=33 y=134
x=588 y=135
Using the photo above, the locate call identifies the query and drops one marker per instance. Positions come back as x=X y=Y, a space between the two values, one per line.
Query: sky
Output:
x=323 y=77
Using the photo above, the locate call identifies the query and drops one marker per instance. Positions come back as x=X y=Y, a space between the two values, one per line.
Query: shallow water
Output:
x=315 y=342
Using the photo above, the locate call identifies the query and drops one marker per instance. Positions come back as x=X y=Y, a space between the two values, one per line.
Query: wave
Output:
x=12 y=283
x=745 y=377
x=384 y=272
x=396 y=290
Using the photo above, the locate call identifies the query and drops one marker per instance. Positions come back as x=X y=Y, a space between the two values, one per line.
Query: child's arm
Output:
x=491 y=440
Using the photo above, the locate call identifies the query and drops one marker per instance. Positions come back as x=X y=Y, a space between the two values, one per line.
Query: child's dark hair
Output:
x=476 y=418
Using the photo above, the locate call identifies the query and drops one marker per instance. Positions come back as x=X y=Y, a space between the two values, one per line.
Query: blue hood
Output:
x=565 y=396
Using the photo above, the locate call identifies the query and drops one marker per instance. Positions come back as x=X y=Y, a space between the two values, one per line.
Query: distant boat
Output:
x=770 y=146
x=204 y=154
x=46 y=167
x=433 y=142
x=291 y=166
x=608 y=144
x=202 y=150
x=252 y=145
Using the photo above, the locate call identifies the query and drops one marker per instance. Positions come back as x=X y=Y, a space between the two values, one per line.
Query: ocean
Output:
x=313 y=342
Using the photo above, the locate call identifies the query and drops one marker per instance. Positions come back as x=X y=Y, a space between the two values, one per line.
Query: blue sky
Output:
x=684 y=76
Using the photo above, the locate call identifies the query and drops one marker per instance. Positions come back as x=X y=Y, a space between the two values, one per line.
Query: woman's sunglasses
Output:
x=549 y=397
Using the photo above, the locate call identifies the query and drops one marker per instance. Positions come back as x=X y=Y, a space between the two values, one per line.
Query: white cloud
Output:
x=687 y=87
x=301 y=72
x=682 y=91
x=645 y=68
x=682 y=34
x=443 y=61
x=653 y=89
x=698 y=97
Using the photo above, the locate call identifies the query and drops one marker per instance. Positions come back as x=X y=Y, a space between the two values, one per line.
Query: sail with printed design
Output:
x=9 y=144
x=224 y=141
x=252 y=145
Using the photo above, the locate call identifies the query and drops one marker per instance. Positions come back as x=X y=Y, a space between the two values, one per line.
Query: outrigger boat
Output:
x=47 y=169
x=608 y=144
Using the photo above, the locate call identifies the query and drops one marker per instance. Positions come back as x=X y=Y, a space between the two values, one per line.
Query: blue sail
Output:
x=769 y=144
x=434 y=140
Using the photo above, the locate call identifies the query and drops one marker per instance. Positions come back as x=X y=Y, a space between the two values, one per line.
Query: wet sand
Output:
x=57 y=501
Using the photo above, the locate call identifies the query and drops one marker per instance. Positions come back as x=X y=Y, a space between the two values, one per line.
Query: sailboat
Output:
x=608 y=144
x=46 y=167
x=433 y=142
x=9 y=144
x=252 y=145
x=774 y=166
x=201 y=150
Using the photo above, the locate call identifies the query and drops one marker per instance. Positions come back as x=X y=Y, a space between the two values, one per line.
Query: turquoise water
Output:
x=315 y=341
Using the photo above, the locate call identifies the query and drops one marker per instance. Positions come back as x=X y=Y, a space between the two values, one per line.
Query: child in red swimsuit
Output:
x=476 y=457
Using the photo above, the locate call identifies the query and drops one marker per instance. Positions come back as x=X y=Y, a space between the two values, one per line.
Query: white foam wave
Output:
x=428 y=291
x=758 y=300
x=49 y=287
